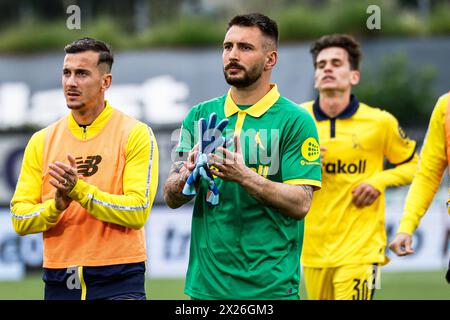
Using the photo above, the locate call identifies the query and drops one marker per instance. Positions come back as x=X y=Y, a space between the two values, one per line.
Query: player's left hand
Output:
x=231 y=167
x=65 y=176
x=364 y=195
x=402 y=244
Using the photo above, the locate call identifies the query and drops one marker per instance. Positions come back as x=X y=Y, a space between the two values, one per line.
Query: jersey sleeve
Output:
x=400 y=151
x=398 y=147
x=186 y=139
x=140 y=182
x=29 y=214
x=433 y=162
x=300 y=152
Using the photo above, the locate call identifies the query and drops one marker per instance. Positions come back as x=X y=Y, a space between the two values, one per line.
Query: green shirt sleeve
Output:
x=186 y=139
x=300 y=152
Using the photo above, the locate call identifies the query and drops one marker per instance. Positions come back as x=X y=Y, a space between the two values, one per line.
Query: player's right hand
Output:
x=401 y=245
x=192 y=157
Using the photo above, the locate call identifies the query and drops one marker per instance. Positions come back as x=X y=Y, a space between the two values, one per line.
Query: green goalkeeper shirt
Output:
x=242 y=249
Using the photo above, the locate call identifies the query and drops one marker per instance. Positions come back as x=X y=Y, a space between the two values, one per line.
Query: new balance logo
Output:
x=342 y=167
x=89 y=166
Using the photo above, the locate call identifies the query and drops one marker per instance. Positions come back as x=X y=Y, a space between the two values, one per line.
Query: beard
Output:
x=247 y=79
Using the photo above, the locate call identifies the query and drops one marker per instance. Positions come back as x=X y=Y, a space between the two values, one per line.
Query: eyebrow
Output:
x=239 y=43
x=76 y=70
x=332 y=60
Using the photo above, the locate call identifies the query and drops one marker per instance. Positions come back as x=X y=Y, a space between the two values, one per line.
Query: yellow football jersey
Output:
x=433 y=162
x=337 y=232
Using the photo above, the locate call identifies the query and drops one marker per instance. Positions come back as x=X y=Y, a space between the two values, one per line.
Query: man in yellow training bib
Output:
x=87 y=183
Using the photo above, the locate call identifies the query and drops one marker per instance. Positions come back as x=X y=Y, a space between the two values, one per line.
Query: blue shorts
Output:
x=121 y=281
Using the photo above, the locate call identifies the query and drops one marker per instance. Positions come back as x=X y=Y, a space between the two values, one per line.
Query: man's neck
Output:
x=333 y=103
x=85 y=117
x=251 y=94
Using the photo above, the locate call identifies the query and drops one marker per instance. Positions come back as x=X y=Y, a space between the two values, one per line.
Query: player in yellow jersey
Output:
x=434 y=159
x=345 y=237
x=87 y=184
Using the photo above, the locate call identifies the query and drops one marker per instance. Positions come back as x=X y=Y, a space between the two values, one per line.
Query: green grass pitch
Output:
x=394 y=285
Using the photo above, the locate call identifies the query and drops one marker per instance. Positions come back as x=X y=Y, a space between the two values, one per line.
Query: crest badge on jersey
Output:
x=310 y=149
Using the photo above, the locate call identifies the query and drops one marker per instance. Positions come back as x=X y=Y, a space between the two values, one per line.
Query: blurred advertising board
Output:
x=168 y=239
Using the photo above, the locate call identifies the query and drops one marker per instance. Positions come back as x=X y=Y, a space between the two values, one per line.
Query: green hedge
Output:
x=297 y=23
x=405 y=91
x=40 y=36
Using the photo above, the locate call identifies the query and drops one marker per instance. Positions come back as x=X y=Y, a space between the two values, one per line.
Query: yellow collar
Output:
x=94 y=128
x=256 y=110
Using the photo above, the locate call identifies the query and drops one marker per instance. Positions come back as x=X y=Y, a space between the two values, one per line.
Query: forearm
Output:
x=400 y=175
x=28 y=213
x=290 y=200
x=130 y=210
x=419 y=197
x=30 y=218
x=174 y=185
x=421 y=193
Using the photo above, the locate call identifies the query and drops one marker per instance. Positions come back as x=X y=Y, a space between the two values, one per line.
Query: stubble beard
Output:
x=249 y=77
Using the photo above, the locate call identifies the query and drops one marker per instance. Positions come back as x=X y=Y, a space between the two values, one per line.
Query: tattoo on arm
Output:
x=176 y=167
x=174 y=186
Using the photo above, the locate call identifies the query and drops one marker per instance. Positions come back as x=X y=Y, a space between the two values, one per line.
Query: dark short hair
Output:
x=90 y=44
x=267 y=26
x=344 y=41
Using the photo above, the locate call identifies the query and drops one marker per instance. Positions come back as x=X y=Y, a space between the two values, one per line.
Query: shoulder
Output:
x=37 y=142
x=295 y=113
x=442 y=102
x=204 y=109
x=377 y=114
x=39 y=136
x=40 y=133
x=141 y=133
x=131 y=127
x=307 y=105
x=444 y=98
x=124 y=117
x=209 y=105
x=439 y=114
x=291 y=108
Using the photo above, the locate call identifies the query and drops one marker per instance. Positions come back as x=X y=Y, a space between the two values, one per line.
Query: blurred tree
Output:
x=162 y=11
x=405 y=91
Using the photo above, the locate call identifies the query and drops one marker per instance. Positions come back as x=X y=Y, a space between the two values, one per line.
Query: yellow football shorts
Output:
x=349 y=282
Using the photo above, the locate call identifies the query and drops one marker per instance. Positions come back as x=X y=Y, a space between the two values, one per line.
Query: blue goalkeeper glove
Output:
x=210 y=137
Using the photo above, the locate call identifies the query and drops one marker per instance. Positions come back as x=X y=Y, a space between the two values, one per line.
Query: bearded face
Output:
x=240 y=77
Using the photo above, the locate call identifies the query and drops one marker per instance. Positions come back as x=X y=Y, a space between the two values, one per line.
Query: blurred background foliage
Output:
x=405 y=90
x=40 y=25
x=35 y=26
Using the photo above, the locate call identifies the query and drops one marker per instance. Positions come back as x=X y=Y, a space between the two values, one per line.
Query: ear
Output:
x=354 y=77
x=106 y=81
x=271 y=60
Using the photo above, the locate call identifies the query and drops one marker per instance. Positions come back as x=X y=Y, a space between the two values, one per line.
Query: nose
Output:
x=327 y=68
x=233 y=54
x=70 y=81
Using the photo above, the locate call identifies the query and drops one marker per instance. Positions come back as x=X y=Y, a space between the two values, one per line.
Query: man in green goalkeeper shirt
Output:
x=248 y=245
